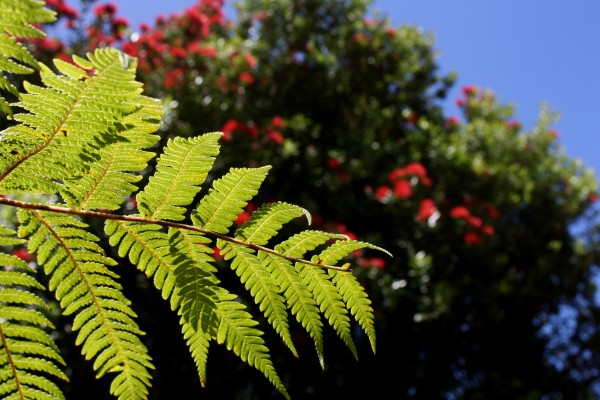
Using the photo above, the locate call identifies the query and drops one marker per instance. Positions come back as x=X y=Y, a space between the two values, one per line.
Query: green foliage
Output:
x=82 y=139
x=16 y=19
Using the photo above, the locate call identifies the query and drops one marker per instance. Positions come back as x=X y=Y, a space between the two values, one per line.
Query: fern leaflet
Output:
x=26 y=348
x=86 y=287
x=16 y=19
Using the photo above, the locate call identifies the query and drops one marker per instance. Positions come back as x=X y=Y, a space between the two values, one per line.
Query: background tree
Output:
x=486 y=272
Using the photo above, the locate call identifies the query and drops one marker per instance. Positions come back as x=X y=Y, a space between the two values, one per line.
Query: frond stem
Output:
x=170 y=224
x=11 y=362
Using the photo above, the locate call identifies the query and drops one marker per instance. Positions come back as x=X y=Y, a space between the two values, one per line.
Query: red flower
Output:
x=471 y=238
x=488 y=230
x=251 y=131
x=426 y=209
x=108 y=9
x=475 y=222
x=383 y=194
x=402 y=189
x=333 y=163
x=470 y=90
x=246 y=77
x=23 y=254
x=460 y=212
x=372 y=262
x=277 y=122
x=217 y=253
x=491 y=211
x=229 y=127
x=275 y=137
x=243 y=217
x=452 y=122
x=178 y=52
x=592 y=198
x=250 y=60
x=173 y=78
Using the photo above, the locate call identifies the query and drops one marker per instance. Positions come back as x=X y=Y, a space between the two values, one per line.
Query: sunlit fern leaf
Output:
x=351 y=290
x=226 y=199
x=237 y=331
x=197 y=285
x=67 y=122
x=109 y=180
x=27 y=349
x=198 y=340
x=267 y=221
x=198 y=343
x=261 y=285
x=16 y=21
x=329 y=300
x=262 y=226
x=85 y=286
x=18 y=17
x=147 y=246
x=299 y=298
x=180 y=171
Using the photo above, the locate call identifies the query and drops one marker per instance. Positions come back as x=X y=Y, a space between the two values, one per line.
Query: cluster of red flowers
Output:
x=476 y=226
x=272 y=130
x=402 y=181
x=64 y=10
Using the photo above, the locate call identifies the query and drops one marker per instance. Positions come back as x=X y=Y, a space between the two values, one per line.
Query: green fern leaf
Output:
x=147 y=246
x=198 y=287
x=198 y=343
x=261 y=285
x=16 y=19
x=19 y=15
x=181 y=169
x=298 y=296
x=198 y=339
x=225 y=201
x=67 y=122
x=237 y=331
x=29 y=356
x=265 y=222
x=351 y=290
x=109 y=180
x=329 y=300
x=84 y=285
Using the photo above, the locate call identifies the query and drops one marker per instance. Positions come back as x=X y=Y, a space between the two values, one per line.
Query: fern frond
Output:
x=147 y=247
x=197 y=285
x=261 y=285
x=237 y=331
x=16 y=19
x=226 y=199
x=198 y=343
x=67 y=122
x=268 y=220
x=27 y=349
x=329 y=300
x=111 y=179
x=299 y=298
x=351 y=290
x=85 y=287
x=180 y=170
x=262 y=226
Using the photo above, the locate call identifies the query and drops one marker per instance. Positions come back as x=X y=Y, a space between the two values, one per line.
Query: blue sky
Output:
x=528 y=52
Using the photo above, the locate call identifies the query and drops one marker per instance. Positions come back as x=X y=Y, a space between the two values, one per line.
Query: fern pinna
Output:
x=80 y=143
